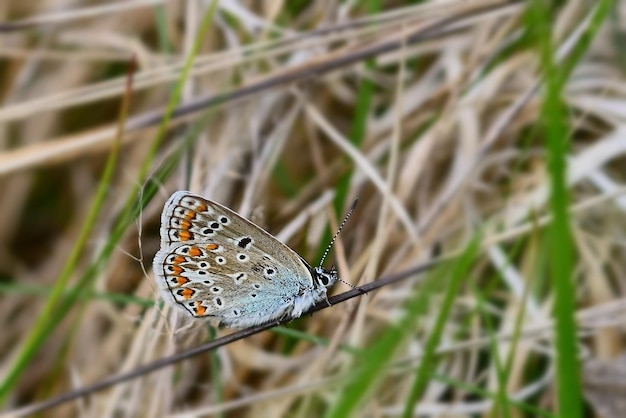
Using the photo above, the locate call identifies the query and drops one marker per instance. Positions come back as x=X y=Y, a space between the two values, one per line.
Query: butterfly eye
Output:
x=323 y=279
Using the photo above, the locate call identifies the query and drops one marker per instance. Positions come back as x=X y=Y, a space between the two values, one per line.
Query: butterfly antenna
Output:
x=332 y=241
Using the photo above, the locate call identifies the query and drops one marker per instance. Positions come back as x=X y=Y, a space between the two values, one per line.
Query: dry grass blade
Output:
x=220 y=342
x=69 y=148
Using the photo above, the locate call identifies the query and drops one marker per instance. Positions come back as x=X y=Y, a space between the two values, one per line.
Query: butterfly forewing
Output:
x=214 y=262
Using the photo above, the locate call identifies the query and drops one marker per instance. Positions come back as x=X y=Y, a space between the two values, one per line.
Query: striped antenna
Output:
x=332 y=241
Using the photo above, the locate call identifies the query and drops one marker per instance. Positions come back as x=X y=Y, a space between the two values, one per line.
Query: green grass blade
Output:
x=568 y=381
x=501 y=400
x=313 y=339
x=58 y=304
x=598 y=17
x=39 y=290
x=357 y=133
x=375 y=360
x=460 y=271
x=41 y=329
x=530 y=409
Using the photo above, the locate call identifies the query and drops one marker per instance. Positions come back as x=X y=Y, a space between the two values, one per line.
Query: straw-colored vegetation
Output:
x=492 y=132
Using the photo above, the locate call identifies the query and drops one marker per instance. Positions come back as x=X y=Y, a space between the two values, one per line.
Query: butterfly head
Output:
x=323 y=277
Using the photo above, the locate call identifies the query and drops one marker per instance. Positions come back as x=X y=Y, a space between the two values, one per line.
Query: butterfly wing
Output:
x=215 y=263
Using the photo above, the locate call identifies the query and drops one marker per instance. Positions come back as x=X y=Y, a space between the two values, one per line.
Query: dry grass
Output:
x=439 y=136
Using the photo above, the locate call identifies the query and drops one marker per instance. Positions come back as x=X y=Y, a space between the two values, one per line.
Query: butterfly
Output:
x=214 y=263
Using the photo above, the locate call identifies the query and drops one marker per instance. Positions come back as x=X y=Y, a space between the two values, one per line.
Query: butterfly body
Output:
x=214 y=263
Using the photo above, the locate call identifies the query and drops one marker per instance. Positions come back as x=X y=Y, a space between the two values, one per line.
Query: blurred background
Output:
x=489 y=131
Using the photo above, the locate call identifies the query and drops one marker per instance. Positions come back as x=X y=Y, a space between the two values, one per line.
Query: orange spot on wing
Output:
x=212 y=247
x=201 y=207
x=195 y=251
x=199 y=309
x=179 y=259
x=190 y=215
x=186 y=293
x=185 y=235
x=176 y=270
x=185 y=224
x=180 y=280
